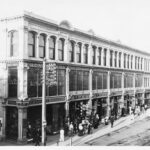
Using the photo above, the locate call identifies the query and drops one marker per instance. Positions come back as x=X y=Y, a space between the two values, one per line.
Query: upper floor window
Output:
x=52 y=48
x=131 y=62
x=119 y=60
x=78 y=53
x=71 y=51
x=135 y=62
x=61 y=49
x=128 y=61
x=42 y=42
x=14 y=39
x=138 y=62
x=105 y=56
x=111 y=58
x=99 y=55
x=141 y=63
x=31 y=44
x=115 y=59
x=85 y=54
x=124 y=60
x=93 y=54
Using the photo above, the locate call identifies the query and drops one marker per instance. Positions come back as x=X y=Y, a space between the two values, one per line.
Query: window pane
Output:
x=85 y=80
x=79 y=80
x=72 y=80
x=12 y=82
x=61 y=82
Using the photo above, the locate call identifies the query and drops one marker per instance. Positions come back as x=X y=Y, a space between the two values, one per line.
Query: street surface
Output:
x=137 y=134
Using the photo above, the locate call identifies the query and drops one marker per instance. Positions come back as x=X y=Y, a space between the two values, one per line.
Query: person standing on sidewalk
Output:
x=112 y=120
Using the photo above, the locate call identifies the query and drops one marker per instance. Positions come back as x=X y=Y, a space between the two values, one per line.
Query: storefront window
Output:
x=78 y=80
x=115 y=80
x=61 y=82
x=85 y=80
x=12 y=82
x=34 y=83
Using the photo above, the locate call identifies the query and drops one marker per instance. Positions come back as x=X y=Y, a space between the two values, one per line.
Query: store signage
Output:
x=97 y=95
x=139 y=91
x=116 y=93
x=129 y=92
x=77 y=97
x=147 y=91
x=48 y=100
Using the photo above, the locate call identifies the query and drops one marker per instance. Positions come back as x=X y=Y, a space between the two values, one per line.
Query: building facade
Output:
x=93 y=74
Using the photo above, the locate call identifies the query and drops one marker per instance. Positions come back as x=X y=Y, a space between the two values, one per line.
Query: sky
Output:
x=125 y=20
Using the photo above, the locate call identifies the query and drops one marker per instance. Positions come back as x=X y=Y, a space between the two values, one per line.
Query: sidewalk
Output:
x=118 y=124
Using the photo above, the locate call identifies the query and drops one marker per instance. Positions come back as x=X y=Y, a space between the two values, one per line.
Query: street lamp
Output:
x=44 y=105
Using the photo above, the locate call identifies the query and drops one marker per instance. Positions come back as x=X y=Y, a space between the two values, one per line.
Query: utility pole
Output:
x=44 y=105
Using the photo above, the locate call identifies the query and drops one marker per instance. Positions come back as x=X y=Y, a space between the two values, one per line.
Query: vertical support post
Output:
x=43 y=105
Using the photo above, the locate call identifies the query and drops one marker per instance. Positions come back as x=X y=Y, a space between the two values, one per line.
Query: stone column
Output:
x=21 y=51
x=89 y=104
x=22 y=124
x=37 y=45
x=82 y=57
x=67 y=91
x=108 y=97
x=2 y=121
x=22 y=81
x=66 y=50
x=47 y=48
x=56 y=48
x=89 y=54
x=25 y=46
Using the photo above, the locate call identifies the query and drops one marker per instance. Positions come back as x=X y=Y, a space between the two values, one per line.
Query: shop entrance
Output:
x=55 y=115
x=11 y=123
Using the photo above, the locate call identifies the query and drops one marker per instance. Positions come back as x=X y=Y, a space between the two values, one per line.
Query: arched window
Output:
x=31 y=44
x=52 y=48
x=61 y=49
x=13 y=43
x=42 y=46
x=85 y=54
x=78 y=53
x=71 y=51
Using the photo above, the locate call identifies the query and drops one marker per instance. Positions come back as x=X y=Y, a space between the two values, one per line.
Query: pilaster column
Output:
x=117 y=60
x=22 y=120
x=126 y=61
x=37 y=45
x=102 y=57
x=4 y=81
x=67 y=91
x=21 y=51
x=47 y=47
x=122 y=60
x=22 y=81
x=56 y=48
x=89 y=105
x=90 y=54
x=2 y=122
x=82 y=57
x=66 y=50
x=25 y=46
x=108 y=97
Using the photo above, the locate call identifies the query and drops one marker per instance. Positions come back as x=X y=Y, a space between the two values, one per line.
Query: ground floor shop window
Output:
x=11 y=123
x=35 y=83
x=55 y=116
